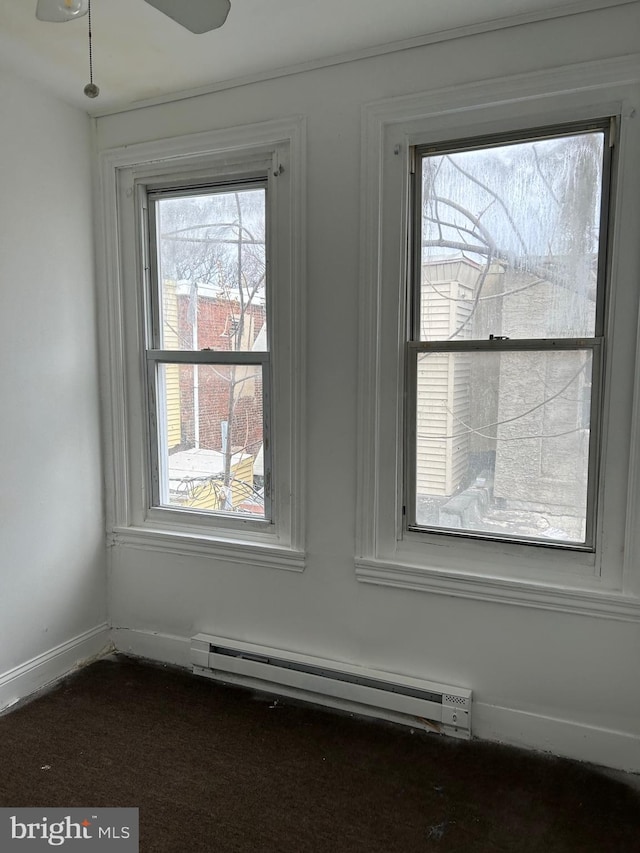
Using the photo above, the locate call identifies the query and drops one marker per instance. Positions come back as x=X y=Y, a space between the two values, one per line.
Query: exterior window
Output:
x=204 y=239
x=208 y=359
x=505 y=350
x=498 y=410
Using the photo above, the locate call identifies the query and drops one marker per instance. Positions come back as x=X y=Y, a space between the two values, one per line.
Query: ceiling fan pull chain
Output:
x=91 y=90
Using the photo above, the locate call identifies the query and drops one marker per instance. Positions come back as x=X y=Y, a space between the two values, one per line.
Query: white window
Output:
x=206 y=317
x=499 y=318
x=208 y=356
x=506 y=335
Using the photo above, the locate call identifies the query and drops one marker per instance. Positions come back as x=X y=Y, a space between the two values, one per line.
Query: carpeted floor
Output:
x=221 y=770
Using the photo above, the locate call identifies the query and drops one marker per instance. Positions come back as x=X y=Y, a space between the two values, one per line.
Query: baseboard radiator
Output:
x=422 y=704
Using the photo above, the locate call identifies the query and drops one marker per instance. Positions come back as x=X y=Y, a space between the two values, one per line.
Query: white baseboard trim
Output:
x=604 y=747
x=592 y=744
x=52 y=665
x=153 y=645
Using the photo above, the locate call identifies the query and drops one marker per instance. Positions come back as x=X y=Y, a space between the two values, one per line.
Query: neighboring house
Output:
x=471 y=416
x=214 y=415
x=445 y=384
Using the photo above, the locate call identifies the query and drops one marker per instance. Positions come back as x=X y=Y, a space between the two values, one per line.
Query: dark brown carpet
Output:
x=219 y=770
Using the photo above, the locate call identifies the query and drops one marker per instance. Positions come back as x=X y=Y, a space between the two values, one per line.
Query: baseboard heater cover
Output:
x=438 y=707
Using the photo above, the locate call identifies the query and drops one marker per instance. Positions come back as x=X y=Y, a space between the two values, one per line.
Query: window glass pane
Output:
x=510 y=240
x=211 y=438
x=503 y=443
x=212 y=271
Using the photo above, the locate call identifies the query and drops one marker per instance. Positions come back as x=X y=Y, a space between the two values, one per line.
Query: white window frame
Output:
x=604 y=582
x=594 y=343
x=270 y=150
x=149 y=194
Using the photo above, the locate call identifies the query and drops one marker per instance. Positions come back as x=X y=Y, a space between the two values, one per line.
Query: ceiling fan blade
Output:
x=199 y=16
x=59 y=11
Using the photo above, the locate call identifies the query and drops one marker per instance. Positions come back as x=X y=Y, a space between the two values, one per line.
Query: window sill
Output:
x=211 y=547
x=601 y=603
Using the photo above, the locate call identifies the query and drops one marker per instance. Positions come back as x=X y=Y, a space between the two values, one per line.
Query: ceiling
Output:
x=140 y=54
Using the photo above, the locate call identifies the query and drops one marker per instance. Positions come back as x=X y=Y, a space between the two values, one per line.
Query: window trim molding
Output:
x=387 y=128
x=183 y=544
x=283 y=546
x=603 y=603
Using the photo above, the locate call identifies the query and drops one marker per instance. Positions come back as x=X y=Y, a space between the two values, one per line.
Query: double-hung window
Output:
x=205 y=304
x=506 y=335
x=208 y=359
x=498 y=341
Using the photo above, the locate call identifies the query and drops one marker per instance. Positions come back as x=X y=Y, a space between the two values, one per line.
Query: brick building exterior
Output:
x=215 y=424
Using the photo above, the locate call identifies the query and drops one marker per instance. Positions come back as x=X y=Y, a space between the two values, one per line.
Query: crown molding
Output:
x=568 y=10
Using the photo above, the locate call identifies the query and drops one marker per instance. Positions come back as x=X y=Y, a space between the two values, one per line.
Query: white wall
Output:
x=52 y=553
x=550 y=680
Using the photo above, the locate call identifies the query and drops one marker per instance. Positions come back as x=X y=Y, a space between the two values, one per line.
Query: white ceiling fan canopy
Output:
x=198 y=16
x=59 y=11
